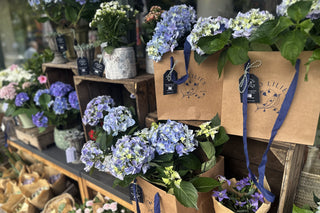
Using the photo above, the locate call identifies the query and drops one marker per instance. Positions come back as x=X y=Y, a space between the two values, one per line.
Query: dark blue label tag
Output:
x=61 y=42
x=138 y=192
x=98 y=68
x=253 y=89
x=83 y=66
x=169 y=87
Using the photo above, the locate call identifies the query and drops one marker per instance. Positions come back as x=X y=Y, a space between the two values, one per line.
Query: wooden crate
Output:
x=60 y=72
x=142 y=87
x=33 y=137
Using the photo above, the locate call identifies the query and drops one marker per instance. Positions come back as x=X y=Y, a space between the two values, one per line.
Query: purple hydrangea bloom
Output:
x=173 y=136
x=73 y=100
x=119 y=119
x=38 y=94
x=59 y=89
x=175 y=24
x=60 y=105
x=96 y=108
x=40 y=120
x=90 y=154
x=220 y=195
x=130 y=155
x=21 y=98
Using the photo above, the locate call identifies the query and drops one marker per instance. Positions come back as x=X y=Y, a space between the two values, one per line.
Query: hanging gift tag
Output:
x=168 y=86
x=98 y=68
x=253 y=89
x=138 y=192
x=61 y=42
x=83 y=66
x=71 y=154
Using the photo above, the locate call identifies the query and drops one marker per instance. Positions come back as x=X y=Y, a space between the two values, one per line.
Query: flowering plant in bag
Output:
x=170 y=32
x=239 y=196
x=113 y=21
x=292 y=31
x=166 y=155
x=110 y=123
x=308 y=209
x=59 y=106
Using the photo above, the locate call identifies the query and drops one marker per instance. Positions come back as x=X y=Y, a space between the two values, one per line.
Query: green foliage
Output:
x=34 y=64
x=186 y=194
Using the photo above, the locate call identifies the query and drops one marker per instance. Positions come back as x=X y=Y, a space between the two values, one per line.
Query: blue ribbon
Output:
x=156 y=203
x=279 y=121
x=135 y=195
x=187 y=53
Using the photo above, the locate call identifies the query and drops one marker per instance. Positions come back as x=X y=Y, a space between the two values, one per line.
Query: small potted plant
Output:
x=239 y=196
x=59 y=106
x=113 y=21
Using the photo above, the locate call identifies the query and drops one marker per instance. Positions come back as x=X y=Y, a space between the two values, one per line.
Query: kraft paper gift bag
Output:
x=198 y=98
x=275 y=75
x=62 y=204
x=56 y=179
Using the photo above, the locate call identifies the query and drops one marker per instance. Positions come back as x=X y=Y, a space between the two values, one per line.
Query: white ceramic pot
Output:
x=121 y=64
x=149 y=65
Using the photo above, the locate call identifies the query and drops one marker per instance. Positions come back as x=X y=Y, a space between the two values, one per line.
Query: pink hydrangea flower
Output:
x=100 y=210
x=86 y=210
x=8 y=92
x=106 y=206
x=89 y=203
x=13 y=67
x=42 y=79
x=114 y=206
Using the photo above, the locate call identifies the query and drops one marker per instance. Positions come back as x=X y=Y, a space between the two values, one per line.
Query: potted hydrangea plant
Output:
x=113 y=21
x=59 y=107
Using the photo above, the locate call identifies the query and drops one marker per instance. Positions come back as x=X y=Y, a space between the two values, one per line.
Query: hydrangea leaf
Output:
x=221 y=137
x=44 y=100
x=164 y=158
x=215 y=121
x=263 y=34
x=316 y=39
x=187 y=194
x=222 y=61
x=306 y=25
x=293 y=45
x=238 y=52
x=314 y=57
x=102 y=140
x=208 y=164
x=296 y=209
x=208 y=149
x=299 y=10
x=200 y=58
x=190 y=162
x=205 y=184
x=212 y=44
x=71 y=14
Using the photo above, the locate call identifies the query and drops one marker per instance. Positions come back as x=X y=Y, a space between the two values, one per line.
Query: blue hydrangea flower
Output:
x=246 y=23
x=173 y=137
x=60 y=105
x=40 y=120
x=96 y=108
x=130 y=155
x=59 y=89
x=38 y=94
x=73 y=100
x=206 y=27
x=175 y=24
x=21 y=98
x=91 y=155
x=119 y=119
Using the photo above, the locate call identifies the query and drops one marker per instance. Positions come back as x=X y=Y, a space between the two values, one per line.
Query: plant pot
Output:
x=149 y=65
x=59 y=137
x=58 y=57
x=121 y=64
x=25 y=121
x=80 y=34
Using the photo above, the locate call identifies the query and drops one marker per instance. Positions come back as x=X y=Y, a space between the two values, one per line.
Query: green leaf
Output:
x=61 y=207
x=200 y=58
x=205 y=184
x=132 y=130
x=208 y=164
x=187 y=194
x=264 y=33
x=215 y=121
x=208 y=148
x=296 y=209
x=43 y=19
x=315 y=198
x=42 y=129
x=190 y=162
x=212 y=44
x=238 y=52
x=293 y=45
x=126 y=180
x=221 y=137
x=44 y=100
x=283 y=24
x=163 y=158
x=315 y=39
x=222 y=61
x=306 y=25
x=10 y=110
x=71 y=14
x=314 y=57
x=109 y=49
x=299 y=10
x=102 y=140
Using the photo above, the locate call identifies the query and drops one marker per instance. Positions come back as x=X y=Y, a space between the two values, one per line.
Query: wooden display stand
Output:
x=60 y=72
x=141 y=87
x=33 y=137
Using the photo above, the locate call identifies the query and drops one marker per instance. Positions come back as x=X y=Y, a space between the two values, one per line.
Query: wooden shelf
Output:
x=60 y=72
x=98 y=181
